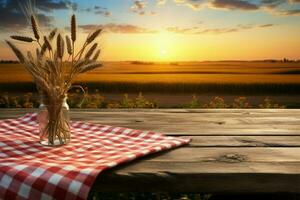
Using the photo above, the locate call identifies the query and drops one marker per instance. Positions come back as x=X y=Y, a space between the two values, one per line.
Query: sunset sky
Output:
x=169 y=30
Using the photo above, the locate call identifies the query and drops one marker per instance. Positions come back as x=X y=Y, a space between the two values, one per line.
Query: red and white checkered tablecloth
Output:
x=29 y=170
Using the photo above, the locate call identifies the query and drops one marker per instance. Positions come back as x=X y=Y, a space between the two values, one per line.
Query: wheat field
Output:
x=179 y=72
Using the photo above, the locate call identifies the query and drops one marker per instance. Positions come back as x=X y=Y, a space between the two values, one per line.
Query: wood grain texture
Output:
x=232 y=151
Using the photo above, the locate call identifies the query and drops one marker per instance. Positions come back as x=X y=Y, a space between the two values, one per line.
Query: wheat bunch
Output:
x=49 y=69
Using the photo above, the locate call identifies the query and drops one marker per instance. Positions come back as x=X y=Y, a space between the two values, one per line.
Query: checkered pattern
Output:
x=29 y=170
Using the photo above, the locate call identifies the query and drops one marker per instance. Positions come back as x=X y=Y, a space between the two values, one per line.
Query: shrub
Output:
x=194 y=103
x=268 y=103
x=241 y=102
x=142 y=102
x=216 y=102
x=25 y=101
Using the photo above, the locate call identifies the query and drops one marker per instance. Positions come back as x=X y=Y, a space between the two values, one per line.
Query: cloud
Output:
x=265 y=25
x=193 y=4
x=98 y=10
x=102 y=11
x=234 y=4
x=271 y=6
x=50 y=5
x=117 y=28
x=219 y=4
x=13 y=18
x=294 y=12
x=139 y=7
x=199 y=30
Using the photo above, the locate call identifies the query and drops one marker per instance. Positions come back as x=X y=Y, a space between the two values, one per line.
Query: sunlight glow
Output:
x=164 y=45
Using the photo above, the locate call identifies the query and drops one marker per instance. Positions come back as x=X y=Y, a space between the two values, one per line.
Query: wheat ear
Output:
x=91 y=51
x=17 y=52
x=52 y=34
x=93 y=36
x=22 y=38
x=69 y=45
x=97 y=54
x=35 y=28
x=47 y=43
x=60 y=46
x=73 y=28
x=90 y=67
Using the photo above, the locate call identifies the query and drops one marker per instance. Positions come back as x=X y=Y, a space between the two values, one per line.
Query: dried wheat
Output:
x=91 y=51
x=52 y=34
x=17 y=52
x=22 y=38
x=73 y=28
x=97 y=54
x=93 y=36
x=35 y=28
x=69 y=45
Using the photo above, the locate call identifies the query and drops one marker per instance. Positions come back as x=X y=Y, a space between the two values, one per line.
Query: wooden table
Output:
x=233 y=151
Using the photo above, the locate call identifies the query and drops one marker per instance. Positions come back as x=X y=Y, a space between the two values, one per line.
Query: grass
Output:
x=188 y=88
x=96 y=100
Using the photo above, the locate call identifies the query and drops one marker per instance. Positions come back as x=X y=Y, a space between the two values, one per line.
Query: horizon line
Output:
x=174 y=61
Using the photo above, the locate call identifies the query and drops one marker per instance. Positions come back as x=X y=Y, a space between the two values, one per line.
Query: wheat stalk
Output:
x=69 y=45
x=37 y=53
x=43 y=49
x=30 y=57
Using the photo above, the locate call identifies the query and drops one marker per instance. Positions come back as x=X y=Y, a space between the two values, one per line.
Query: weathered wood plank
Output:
x=222 y=170
x=244 y=141
x=168 y=177
x=219 y=122
x=229 y=154
x=208 y=183
x=212 y=170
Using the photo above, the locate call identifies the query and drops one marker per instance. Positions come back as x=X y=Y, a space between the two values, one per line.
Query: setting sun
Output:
x=165 y=45
x=163 y=52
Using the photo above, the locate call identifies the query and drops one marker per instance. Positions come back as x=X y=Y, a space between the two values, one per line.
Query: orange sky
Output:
x=172 y=30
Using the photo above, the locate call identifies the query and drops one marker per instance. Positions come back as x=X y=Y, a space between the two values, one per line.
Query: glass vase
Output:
x=54 y=123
